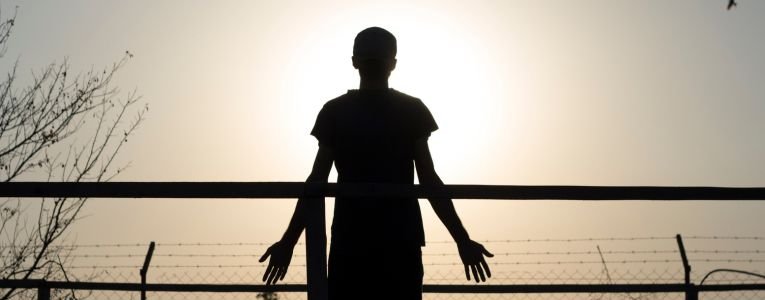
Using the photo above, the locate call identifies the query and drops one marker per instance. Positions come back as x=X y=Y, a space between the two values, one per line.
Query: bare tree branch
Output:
x=60 y=128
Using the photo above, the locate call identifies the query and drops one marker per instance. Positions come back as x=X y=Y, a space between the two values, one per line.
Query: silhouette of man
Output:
x=376 y=134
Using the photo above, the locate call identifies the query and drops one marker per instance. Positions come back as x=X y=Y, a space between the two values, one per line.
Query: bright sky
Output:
x=525 y=92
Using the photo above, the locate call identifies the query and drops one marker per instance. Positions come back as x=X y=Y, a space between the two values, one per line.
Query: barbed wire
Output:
x=600 y=262
x=646 y=259
x=144 y=245
x=175 y=266
x=426 y=254
x=565 y=240
x=456 y=263
x=546 y=240
x=701 y=237
x=136 y=251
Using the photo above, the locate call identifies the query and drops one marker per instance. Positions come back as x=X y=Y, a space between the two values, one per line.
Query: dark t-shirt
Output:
x=373 y=134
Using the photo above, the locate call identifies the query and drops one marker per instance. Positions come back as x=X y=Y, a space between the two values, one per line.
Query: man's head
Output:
x=374 y=53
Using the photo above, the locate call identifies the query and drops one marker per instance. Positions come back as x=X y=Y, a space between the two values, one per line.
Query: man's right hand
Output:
x=281 y=255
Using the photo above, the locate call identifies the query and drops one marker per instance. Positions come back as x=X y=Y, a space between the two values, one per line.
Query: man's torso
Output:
x=373 y=134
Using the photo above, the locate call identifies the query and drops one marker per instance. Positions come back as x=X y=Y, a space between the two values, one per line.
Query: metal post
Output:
x=145 y=269
x=691 y=292
x=43 y=291
x=316 y=244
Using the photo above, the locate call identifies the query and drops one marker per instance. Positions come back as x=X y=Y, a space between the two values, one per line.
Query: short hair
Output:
x=374 y=43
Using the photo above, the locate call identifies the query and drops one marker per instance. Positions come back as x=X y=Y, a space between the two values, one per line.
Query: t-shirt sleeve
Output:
x=323 y=129
x=424 y=121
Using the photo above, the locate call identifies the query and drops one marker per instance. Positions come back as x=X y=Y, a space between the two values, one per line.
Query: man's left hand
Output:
x=472 y=255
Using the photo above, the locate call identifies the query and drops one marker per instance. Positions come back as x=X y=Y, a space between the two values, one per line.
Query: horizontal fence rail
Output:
x=300 y=189
x=427 y=288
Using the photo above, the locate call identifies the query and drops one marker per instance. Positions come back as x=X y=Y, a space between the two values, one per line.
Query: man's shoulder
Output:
x=339 y=99
x=351 y=98
x=402 y=95
x=408 y=103
x=344 y=100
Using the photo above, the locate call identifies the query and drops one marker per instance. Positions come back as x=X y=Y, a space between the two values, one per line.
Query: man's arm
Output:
x=281 y=251
x=470 y=251
x=322 y=165
x=444 y=207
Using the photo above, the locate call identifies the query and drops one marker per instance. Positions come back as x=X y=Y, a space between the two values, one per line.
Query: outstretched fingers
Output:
x=278 y=256
x=272 y=277
x=480 y=272
x=280 y=274
x=475 y=263
x=268 y=272
x=486 y=267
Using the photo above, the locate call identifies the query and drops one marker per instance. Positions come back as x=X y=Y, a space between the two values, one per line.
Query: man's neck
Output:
x=373 y=84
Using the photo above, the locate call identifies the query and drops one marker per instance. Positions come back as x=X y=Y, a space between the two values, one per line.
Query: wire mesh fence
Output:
x=606 y=261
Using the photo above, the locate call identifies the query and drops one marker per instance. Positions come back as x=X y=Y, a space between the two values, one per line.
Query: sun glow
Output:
x=439 y=61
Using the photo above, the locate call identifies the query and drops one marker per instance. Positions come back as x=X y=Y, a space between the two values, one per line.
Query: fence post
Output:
x=316 y=243
x=43 y=290
x=145 y=269
x=691 y=292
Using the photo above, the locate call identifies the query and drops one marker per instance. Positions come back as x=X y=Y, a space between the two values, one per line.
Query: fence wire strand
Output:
x=602 y=260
